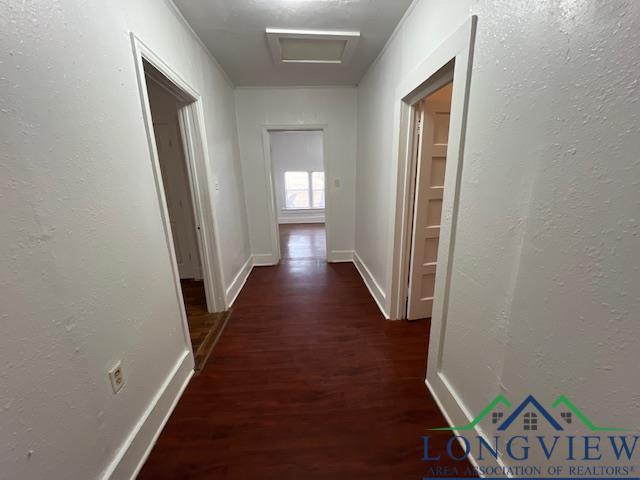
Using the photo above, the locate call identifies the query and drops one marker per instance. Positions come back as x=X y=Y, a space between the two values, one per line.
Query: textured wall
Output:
x=545 y=288
x=85 y=277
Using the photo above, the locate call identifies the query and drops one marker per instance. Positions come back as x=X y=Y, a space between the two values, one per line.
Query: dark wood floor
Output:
x=204 y=327
x=308 y=381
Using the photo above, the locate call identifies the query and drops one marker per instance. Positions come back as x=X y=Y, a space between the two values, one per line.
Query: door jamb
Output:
x=268 y=170
x=457 y=50
x=191 y=119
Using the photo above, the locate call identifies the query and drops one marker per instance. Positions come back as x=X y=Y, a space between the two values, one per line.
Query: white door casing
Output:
x=454 y=57
x=178 y=198
x=433 y=131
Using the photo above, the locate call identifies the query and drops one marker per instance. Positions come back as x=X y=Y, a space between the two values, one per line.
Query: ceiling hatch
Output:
x=311 y=46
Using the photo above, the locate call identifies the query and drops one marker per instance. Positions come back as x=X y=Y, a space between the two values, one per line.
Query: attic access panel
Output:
x=311 y=46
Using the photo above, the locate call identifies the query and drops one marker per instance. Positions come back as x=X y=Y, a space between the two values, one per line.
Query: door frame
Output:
x=454 y=54
x=192 y=131
x=268 y=170
x=442 y=78
x=456 y=50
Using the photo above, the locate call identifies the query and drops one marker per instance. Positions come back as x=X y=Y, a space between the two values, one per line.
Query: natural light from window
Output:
x=317 y=184
x=304 y=190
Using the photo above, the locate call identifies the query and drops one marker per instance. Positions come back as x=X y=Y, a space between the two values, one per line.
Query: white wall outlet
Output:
x=116 y=377
x=336 y=183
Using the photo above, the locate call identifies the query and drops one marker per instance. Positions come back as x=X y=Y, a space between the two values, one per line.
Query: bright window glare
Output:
x=317 y=184
x=304 y=190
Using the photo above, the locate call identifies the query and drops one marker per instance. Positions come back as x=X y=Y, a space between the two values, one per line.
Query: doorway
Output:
x=205 y=325
x=427 y=201
x=431 y=139
x=173 y=117
x=175 y=179
x=296 y=171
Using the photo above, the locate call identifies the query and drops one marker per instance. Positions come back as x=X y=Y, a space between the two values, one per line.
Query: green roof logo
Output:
x=531 y=410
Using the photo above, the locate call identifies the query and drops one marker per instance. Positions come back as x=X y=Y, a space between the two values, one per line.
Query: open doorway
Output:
x=205 y=326
x=204 y=323
x=297 y=169
x=174 y=122
x=430 y=142
x=175 y=179
x=430 y=133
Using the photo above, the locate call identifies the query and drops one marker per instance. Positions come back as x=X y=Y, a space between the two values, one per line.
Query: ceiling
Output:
x=234 y=31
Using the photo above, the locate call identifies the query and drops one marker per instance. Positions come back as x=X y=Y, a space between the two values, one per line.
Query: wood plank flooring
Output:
x=204 y=327
x=308 y=381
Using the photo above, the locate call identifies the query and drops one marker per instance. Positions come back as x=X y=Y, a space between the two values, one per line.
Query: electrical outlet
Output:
x=116 y=377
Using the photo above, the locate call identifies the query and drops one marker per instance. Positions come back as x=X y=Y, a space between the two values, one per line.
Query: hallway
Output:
x=307 y=381
x=303 y=241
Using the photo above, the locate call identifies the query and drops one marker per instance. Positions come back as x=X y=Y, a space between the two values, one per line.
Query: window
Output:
x=530 y=421
x=303 y=190
x=296 y=189
x=317 y=184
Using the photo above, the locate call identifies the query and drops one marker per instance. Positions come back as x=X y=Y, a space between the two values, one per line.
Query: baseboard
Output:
x=302 y=219
x=264 y=260
x=374 y=288
x=136 y=448
x=447 y=413
x=238 y=282
x=336 y=256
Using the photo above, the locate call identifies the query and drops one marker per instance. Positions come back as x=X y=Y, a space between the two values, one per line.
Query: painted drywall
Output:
x=544 y=289
x=334 y=107
x=85 y=278
x=295 y=151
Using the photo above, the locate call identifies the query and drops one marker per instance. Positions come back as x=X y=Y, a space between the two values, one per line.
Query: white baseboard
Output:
x=336 y=256
x=318 y=218
x=264 y=260
x=374 y=288
x=452 y=408
x=136 y=448
x=238 y=282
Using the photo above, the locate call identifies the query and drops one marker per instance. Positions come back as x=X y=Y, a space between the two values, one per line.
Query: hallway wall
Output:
x=544 y=289
x=86 y=278
x=334 y=107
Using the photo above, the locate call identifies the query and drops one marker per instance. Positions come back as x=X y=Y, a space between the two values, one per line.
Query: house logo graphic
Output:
x=531 y=412
x=531 y=439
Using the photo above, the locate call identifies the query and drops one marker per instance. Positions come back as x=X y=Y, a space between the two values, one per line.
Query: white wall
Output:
x=544 y=292
x=295 y=151
x=85 y=277
x=334 y=107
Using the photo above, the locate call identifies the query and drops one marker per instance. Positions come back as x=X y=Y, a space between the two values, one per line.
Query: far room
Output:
x=298 y=178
